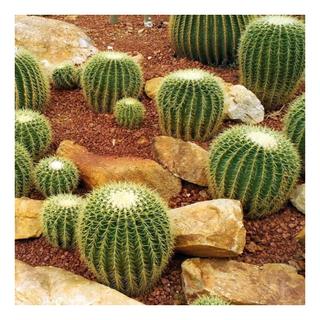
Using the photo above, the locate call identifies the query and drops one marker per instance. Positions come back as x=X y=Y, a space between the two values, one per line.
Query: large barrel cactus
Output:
x=272 y=58
x=125 y=236
x=190 y=105
x=31 y=83
x=211 y=39
x=255 y=165
x=108 y=77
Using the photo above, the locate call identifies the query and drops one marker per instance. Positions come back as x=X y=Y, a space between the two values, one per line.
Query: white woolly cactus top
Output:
x=115 y=55
x=190 y=74
x=264 y=140
x=129 y=100
x=123 y=199
x=280 y=20
x=67 y=201
x=56 y=165
x=24 y=116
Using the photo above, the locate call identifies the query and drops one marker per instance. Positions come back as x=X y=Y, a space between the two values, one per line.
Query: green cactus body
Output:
x=211 y=39
x=64 y=76
x=206 y=300
x=31 y=84
x=23 y=170
x=294 y=124
x=59 y=219
x=129 y=113
x=125 y=236
x=190 y=105
x=54 y=175
x=255 y=165
x=78 y=75
x=108 y=77
x=272 y=58
x=33 y=130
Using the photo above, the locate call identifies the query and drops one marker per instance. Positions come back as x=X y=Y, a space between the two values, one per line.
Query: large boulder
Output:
x=54 y=286
x=243 y=283
x=96 y=170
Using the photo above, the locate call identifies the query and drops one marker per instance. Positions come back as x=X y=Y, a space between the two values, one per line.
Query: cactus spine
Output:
x=211 y=39
x=272 y=58
x=125 y=236
x=255 y=165
x=206 y=300
x=64 y=76
x=190 y=105
x=108 y=77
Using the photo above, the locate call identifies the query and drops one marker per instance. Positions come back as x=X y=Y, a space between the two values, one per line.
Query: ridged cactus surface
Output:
x=190 y=105
x=65 y=76
x=206 y=300
x=108 y=77
x=272 y=58
x=211 y=39
x=125 y=236
x=255 y=165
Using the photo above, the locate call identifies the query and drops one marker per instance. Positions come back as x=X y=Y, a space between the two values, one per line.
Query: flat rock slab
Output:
x=54 y=286
x=242 y=283
x=96 y=170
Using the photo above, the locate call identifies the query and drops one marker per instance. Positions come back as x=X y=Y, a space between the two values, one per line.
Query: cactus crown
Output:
x=209 y=300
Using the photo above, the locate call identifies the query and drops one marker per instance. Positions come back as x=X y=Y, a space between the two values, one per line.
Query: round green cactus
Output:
x=31 y=84
x=294 y=124
x=64 y=76
x=190 y=105
x=33 y=130
x=23 y=170
x=108 y=77
x=272 y=58
x=78 y=75
x=125 y=236
x=255 y=165
x=54 y=175
x=59 y=219
x=211 y=39
x=206 y=300
x=129 y=113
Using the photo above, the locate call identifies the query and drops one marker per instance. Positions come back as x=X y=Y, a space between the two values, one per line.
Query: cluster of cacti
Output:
x=125 y=236
x=129 y=113
x=211 y=39
x=54 y=175
x=23 y=170
x=272 y=58
x=255 y=165
x=59 y=219
x=294 y=124
x=210 y=300
x=31 y=82
x=65 y=76
x=33 y=130
x=108 y=77
x=190 y=105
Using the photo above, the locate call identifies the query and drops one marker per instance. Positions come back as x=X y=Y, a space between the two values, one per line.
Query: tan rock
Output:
x=185 y=160
x=209 y=228
x=96 y=170
x=152 y=86
x=54 y=286
x=301 y=236
x=138 y=58
x=242 y=283
x=298 y=197
x=27 y=218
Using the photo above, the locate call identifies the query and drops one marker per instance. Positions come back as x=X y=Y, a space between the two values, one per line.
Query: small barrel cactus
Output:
x=272 y=58
x=129 y=113
x=206 y=300
x=33 y=130
x=59 y=219
x=125 y=236
x=64 y=76
x=190 y=105
x=211 y=39
x=23 y=170
x=108 y=77
x=294 y=124
x=255 y=165
x=78 y=75
x=54 y=175
x=31 y=83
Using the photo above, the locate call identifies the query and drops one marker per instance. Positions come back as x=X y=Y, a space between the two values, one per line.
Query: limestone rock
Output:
x=242 y=283
x=211 y=228
x=54 y=286
x=298 y=198
x=27 y=218
x=96 y=170
x=185 y=160
x=152 y=86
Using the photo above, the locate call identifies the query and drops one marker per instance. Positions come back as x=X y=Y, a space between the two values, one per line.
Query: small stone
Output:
x=298 y=198
x=152 y=86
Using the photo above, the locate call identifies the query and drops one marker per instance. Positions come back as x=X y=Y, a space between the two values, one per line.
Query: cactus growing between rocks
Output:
x=31 y=84
x=129 y=113
x=108 y=77
x=211 y=39
x=206 y=300
x=190 y=105
x=59 y=219
x=54 y=175
x=33 y=130
x=272 y=58
x=125 y=236
x=255 y=165
x=64 y=76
